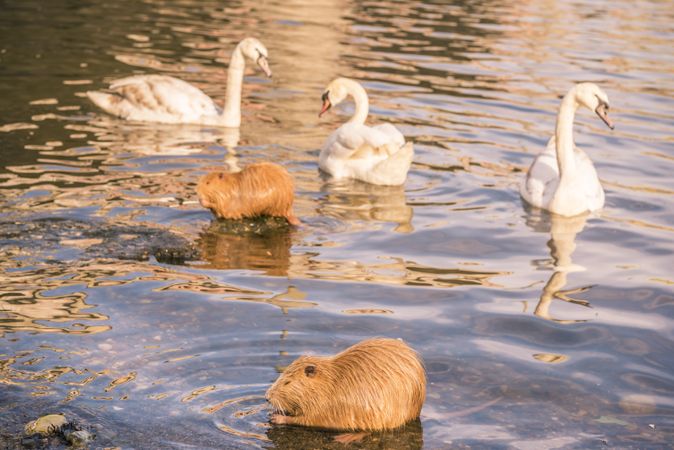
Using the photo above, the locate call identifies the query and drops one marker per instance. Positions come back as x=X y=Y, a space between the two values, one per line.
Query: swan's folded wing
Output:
x=542 y=177
x=344 y=142
x=390 y=133
x=353 y=141
x=165 y=94
x=393 y=170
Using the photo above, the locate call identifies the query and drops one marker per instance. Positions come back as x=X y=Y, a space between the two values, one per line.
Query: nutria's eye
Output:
x=310 y=371
x=286 y=383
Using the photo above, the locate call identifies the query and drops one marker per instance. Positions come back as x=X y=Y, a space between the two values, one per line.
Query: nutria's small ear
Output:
x=221 y=175
x=310 y=370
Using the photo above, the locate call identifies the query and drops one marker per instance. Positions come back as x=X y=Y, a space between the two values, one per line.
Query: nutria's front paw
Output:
x=279 y=419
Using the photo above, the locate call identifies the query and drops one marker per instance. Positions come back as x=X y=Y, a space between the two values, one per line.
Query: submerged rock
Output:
x=67 y=239
x=53 y=429
x=257 y=225
x=75 y=435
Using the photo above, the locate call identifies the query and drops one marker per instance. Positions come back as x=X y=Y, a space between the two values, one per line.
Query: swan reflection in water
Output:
x=162 y=139
x=562 y=243
x=356 y=200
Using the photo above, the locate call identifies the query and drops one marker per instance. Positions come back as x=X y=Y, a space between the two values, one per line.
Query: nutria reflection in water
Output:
x=259 y=244
x=408 y=437
x=374 y=385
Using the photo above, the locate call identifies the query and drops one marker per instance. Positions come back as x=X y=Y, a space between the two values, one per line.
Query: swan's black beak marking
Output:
x=326 y=103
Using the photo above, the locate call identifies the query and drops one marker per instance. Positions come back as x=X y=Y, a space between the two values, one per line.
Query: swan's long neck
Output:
x=231 y=114
x=564 y=136
x=360 y=98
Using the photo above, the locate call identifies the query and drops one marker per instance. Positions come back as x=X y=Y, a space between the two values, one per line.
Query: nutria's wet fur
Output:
x=261 y=189
x=376 y=384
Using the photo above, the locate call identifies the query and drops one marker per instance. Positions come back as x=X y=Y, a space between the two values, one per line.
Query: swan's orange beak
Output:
x=602 y=112
x=326 y=104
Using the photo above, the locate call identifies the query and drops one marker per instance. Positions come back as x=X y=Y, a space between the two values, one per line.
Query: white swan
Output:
x=377 y=155
x=562 y=179
x=161 y=98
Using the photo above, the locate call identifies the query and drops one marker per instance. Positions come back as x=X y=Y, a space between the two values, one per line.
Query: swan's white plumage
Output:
x=542 y=180
x=157 y=98
x=377 y=155
x=578 y=189
x=165 y=99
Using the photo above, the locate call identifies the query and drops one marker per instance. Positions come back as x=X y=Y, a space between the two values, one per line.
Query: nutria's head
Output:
x=206 y=188
x=302 y=386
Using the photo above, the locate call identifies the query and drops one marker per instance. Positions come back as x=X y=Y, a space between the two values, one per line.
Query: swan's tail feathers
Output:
x=109 y=103
x=393 y=170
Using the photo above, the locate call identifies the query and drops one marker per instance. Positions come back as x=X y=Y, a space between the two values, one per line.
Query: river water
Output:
x=537 y=331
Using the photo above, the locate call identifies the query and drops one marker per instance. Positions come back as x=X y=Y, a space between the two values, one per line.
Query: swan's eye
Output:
x=325 y=95
x=601 y=102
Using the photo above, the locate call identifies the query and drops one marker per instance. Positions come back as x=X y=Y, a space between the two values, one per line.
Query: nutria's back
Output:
x=376 y=384
x=258 y=190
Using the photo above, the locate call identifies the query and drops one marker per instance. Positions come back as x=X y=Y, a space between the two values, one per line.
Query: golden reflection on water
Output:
x=270 y=252
x=27 y=305
x=120 y=380
x=217 y=407
x=434 y=276
x=26 y=308
x=11 y=375
x=244 y=434
x=239 y=414
x=196 y=393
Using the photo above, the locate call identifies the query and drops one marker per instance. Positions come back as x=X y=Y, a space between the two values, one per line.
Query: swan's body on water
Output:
x=377 y=155
x=165 y=99
x=562 y=179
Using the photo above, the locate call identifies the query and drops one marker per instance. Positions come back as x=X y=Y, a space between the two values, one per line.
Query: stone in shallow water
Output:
x=257 y=225
x=46 y=425
x=76 y=436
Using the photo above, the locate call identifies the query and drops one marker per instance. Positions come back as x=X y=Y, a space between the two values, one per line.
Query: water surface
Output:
x=537 y=331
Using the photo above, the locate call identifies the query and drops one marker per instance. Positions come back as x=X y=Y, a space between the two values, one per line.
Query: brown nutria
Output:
x=376 y=384
x=261 y=189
